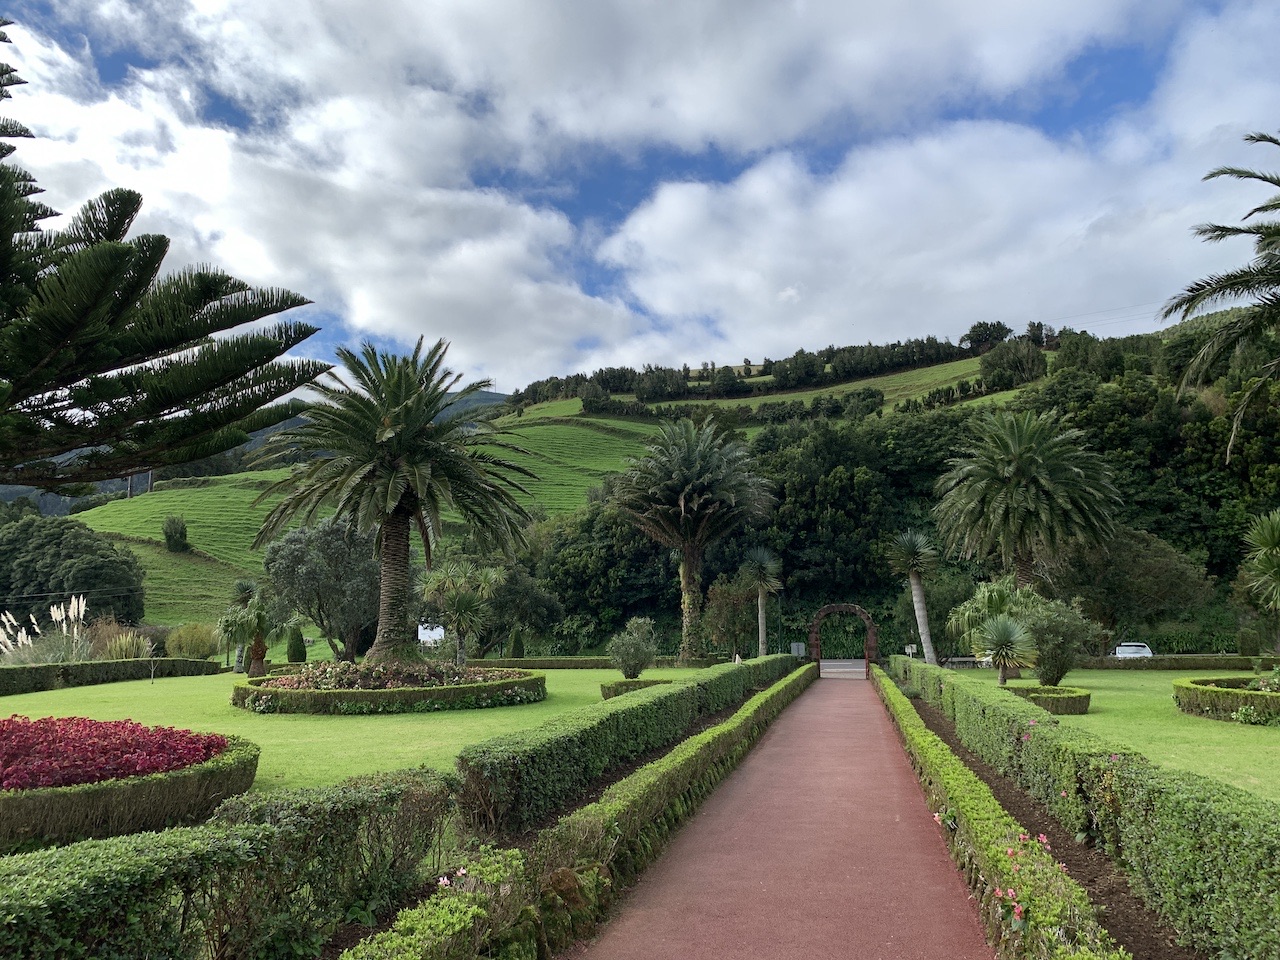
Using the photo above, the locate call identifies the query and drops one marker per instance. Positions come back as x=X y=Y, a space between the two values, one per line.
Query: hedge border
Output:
x=1200 y=852
x=1061 y=701
x=513 y=782
x=585 y=663
x=530 y=688
x=995 y=853
x=38 y=677
x=526 y=907
x=267 y=875
x=110 y=808
x=1178 y=661
x=1220 y=697
x=618 y=687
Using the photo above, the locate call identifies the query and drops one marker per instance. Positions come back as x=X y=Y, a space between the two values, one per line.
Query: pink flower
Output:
x=1024 y=837
x=1017 y=910
x=1026 y=737
x=999 y=893
x=937 y=818
x=1016 y=868
x=1115 y=756
x=1011 y=894
x=1062 y=867
x=1031 y=723
x=1064 y=793
x=1042 y=838
x=462 y=871
x=1009 y=852
x=443 y=882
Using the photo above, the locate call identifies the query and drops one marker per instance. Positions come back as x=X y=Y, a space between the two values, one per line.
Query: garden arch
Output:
x=815 y=633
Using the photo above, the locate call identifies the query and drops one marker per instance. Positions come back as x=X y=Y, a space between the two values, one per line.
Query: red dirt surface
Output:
x=818 y=846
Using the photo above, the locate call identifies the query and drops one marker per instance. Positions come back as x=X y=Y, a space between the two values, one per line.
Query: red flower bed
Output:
x=59 y=752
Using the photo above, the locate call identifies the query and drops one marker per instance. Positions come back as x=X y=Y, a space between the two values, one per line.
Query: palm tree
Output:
x=392 y=450
x=693 y=486
x=759 y=572
x=1006 y=643
x=1259 y=281
x=1024 y=485
x=912 y=554
x=462 y=592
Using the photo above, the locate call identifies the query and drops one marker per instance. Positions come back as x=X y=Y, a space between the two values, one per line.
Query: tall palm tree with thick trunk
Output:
x=392 y=449
x=760 y=571
x=693 y=485
x=1258 y=280
x=1024 y=485
x=912 y=554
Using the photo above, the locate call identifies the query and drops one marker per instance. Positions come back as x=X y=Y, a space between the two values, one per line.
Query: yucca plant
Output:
x=1006 y=643
x=760 y=571
x=912 y=554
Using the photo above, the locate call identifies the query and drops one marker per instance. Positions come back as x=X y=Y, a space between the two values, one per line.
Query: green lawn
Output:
x=1136 y=707
x=303 y=751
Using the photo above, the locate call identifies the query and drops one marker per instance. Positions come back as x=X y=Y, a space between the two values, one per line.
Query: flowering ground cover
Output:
x=339 y=675
x=60 y=752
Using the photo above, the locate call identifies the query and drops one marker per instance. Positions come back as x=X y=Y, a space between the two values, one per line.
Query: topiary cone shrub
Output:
x=634 y=647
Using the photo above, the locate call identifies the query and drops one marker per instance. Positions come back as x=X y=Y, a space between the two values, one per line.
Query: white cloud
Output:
x=355 y=181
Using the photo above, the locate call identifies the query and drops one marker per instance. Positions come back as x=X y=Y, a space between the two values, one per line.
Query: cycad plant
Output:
x=1257 y=281
x=761 y=571
x=1025 y=484
x=912 y=554
x=392 y=445
x=693 y=486
x=1261 y=567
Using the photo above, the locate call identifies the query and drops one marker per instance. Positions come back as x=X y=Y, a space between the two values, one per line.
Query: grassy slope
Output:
x=1136 y=707
x=299 y=750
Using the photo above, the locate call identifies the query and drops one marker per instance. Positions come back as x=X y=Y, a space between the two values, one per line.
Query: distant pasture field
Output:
x=300 y=750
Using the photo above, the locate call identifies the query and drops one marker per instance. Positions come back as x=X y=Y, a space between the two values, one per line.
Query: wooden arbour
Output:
x=815 y=633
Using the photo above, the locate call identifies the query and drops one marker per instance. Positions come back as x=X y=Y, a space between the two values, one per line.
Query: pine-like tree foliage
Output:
x=109 y=368
x=1025 y=484
x=393 y=448
x=693 y=486
x=1257 y=281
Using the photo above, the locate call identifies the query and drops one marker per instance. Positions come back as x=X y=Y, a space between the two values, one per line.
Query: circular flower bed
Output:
x=1247 y=700
x=68 y=778
x=340 y=687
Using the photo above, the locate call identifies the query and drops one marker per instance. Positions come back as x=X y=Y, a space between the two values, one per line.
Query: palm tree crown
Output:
x=912 y=554
x=394 y=448
x=1258 y=280
x=693 y=485
x=1024 y=484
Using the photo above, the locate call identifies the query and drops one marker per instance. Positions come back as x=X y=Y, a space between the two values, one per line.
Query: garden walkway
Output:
x=818 y=846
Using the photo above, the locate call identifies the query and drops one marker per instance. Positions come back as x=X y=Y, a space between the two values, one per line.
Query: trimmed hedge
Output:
x=618 y=687
x=515 y=909
x=583 y=663
x=1220 y=697
x=251 y=695
x=1062 y=701
x=1051 y=918
x=37 y=677
x=1179 y=661
x=109 y=808
x=1205 y=855
x=513 y=782
x=269 y=877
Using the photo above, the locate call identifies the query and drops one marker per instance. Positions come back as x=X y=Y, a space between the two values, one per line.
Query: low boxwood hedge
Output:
x=1222 y=698
x=1050 y=918
x=583 y=663
x=530 y=688
x=618 y=687
x=268 y=877
x=109 y=808
x=1057 y=700
x=1200 y=852
x=36 y=677
x=513 y=782
x=520 y=909
x=1178 y=661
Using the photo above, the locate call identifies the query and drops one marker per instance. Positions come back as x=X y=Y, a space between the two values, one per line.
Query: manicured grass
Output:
x=1136 y=707
x=302 y=750
x=184 y=588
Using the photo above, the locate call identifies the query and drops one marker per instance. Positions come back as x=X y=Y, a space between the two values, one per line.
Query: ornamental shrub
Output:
x=126 y=646
x=192 y=641
x=296 y=649
x=175 y=535
x=634 y=647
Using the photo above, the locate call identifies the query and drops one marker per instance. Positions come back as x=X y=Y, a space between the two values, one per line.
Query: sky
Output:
x=561 y=186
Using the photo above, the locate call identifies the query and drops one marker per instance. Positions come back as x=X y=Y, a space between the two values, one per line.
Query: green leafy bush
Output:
x=634 y=648
x=1050 y=916
x=1221 y=697
x=108 y=808
x=618 y=687
x=175 y=535
x=126 y=646
x=1202 y=853
x=1060 y=701
x=192 y=641
x=270 y=876
x=296 y=649
x=511 y=782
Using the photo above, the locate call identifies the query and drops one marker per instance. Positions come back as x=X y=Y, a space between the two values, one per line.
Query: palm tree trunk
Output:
x=922 y=617
x=764 y=640
x=690 y=604
x=258 y=656
x=1022 y=570
x=396 y=639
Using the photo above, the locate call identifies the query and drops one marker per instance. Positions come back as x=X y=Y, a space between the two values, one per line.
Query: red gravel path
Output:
x=818 y=845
